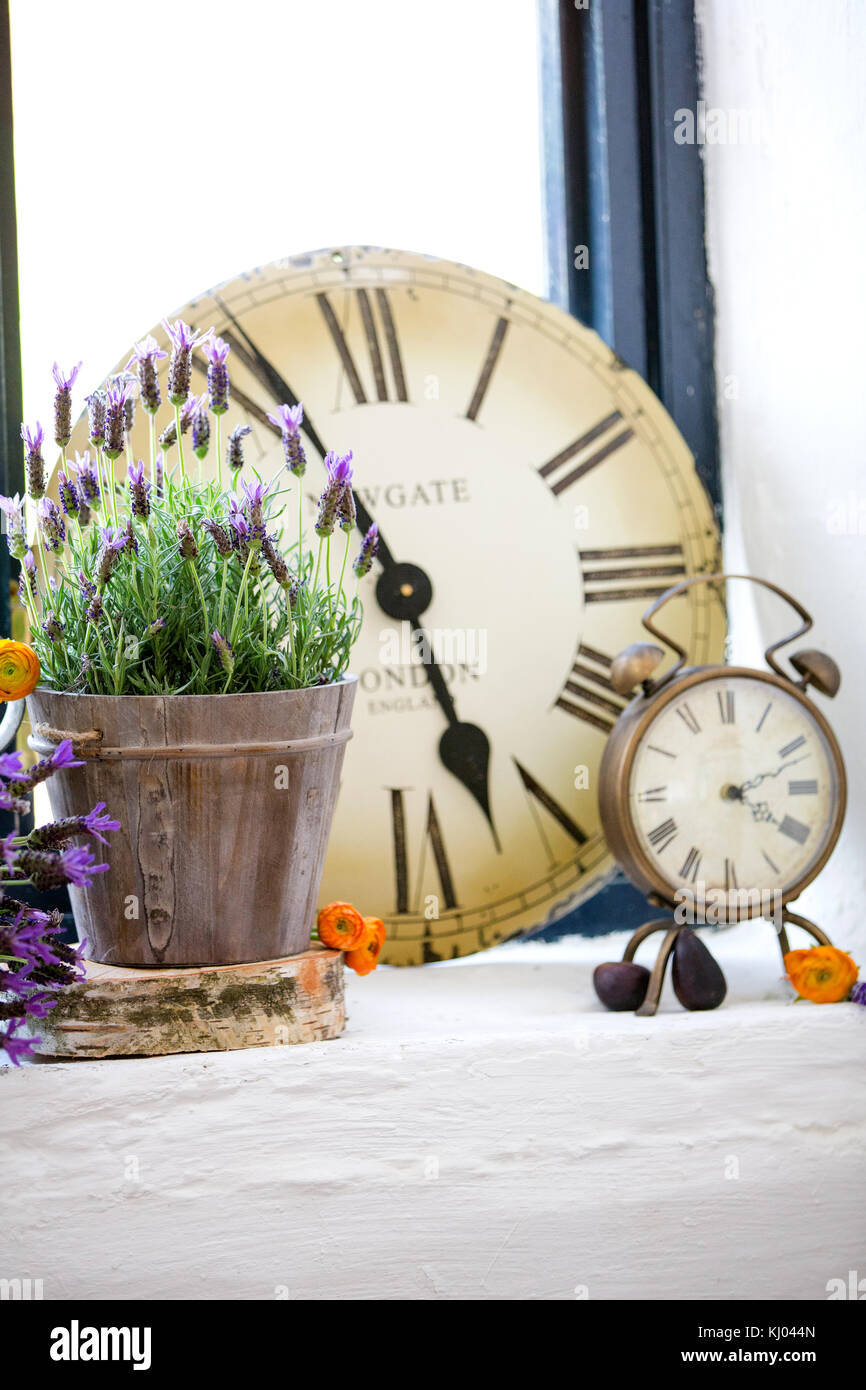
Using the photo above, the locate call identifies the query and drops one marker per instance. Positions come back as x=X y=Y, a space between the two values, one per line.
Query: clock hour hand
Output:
x=404 y=592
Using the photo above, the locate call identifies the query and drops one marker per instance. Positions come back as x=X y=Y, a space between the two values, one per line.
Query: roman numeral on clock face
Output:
x=687 y=715
x=374 y=345
x=806 y=786
x=726 y=705
x=691 y=864
x=536 y=790
x=433 y=833
x=591 y=449
x=608 y=578
x=795 y=829
x=792 y=747
x=487 y=370
x=581 y=695
x=662 y=835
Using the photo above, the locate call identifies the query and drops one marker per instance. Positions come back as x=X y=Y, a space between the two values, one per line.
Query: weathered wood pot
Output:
x=225 y=804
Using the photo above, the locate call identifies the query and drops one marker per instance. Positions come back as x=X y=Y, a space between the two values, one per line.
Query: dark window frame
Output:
x=613 y=75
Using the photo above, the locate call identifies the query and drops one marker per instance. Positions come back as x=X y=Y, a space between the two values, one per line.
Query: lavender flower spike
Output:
x=220 y=537
x=34 y=464
x=223 y=651
x=13 y=507
x=139 y=490
x=255 y=496
x=200 y=432
x=97 y=403
x=113 y=542
x=70 y=501
x=88 y=484
x=64 y=382
x=216 y=352
x=53 y=628
x=145 y=356
x=186 y=541
x=339 y=478
x=234 y=452
x=115 y=416
x=289 y=418
x=51 y=524
x=183 y=340
x=367 y=553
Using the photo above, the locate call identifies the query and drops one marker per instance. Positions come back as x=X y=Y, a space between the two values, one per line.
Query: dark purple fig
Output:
x=697 y=976
x=621 y=984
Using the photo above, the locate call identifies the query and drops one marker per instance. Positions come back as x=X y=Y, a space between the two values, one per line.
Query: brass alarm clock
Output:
x=721 y=791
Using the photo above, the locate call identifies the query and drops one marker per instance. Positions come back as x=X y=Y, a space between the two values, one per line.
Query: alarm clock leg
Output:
x=820 y=936
x=656 y=980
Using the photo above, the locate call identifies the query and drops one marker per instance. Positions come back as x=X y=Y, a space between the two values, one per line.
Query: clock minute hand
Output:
x=404 y=591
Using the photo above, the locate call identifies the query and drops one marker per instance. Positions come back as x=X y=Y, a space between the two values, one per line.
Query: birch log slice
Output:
x=119 y=1011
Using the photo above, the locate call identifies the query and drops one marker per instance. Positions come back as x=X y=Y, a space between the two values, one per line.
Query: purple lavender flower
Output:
x=183 y=340
x=339 y=479
x=240 y=535
x=51 y=524
x=367 y=553
x=16 y=1047
x=97 y=404
x=288 y=419
x=115 y=416
x=145 y=356
x=48 y=870
x=56 y=833
x=278 y=567
x=88 y=483
x=11 y=765
x=201 y=432
x=187 y=414
x=255 y=495
x=346 y=510
x=53 y=627
x=153 y=628
x=34 y=464
x=130 y=537
x=159 y=474
x=186 y=541
x=220 y=537
x=64 y=382
x=858 y=993
x=224 y=652
x=139 y=490
x=63 y=756
x=68 y=493
x=95 y=609
x=28 y=571
x=234 y=450
x=216 y=352
x=13 y=507
x=113 y=542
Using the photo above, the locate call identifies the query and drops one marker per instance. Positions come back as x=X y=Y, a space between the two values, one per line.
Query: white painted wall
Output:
x=787 y=255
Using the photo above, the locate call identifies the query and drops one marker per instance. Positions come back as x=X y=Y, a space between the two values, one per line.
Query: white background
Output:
x=786 y=234
x=166 y=146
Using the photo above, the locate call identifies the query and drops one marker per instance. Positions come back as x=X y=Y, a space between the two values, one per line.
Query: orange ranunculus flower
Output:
x=823 y=974
x=19 y=669
x=365 y=957
x=341 y=926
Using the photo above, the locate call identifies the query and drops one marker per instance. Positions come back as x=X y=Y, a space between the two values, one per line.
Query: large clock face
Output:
x=734 y=786
x=533 y=497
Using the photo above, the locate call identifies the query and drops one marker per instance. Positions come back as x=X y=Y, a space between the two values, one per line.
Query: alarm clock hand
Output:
x=404 y=592
x=763 y=776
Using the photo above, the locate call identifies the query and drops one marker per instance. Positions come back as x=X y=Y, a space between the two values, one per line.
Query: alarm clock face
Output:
x=736 y=784
x=532 y=497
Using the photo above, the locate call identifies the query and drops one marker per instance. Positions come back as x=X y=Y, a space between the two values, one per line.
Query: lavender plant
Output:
x=34 y=964
x=167 y=584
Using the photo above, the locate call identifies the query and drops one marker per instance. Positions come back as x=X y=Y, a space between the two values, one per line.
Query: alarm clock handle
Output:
x=682 y=655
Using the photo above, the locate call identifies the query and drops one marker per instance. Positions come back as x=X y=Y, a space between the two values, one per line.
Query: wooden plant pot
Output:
x=225 y=805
